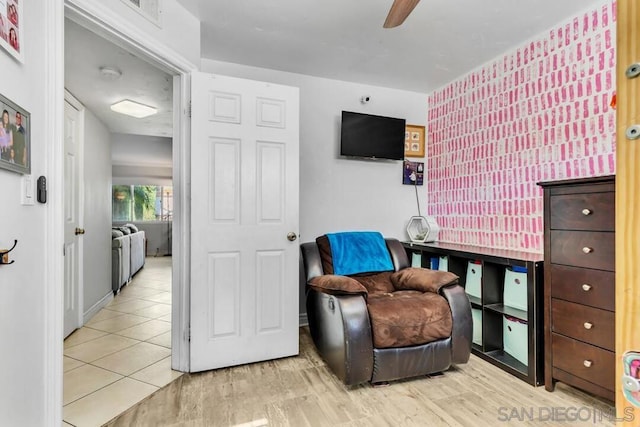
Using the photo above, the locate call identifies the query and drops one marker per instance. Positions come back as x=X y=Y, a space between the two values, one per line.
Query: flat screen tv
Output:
x=376 y=137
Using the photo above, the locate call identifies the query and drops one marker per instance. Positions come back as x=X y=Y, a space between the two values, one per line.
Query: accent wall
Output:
x=541 y=112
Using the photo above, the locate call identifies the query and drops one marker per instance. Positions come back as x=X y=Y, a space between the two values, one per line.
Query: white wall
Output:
x=127 y=150
x=23 y=284
x=26 y=397
x=141 y=160
x=97 y=211
x=179 y=30
x=338 y=193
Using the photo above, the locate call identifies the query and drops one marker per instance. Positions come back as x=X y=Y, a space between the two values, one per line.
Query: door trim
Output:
x=99 y=18
x=54 y=216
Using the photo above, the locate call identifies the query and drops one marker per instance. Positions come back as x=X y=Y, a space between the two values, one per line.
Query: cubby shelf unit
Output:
x=495 y=263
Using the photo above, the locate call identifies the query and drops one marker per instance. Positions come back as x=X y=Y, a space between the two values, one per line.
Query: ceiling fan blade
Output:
x=399 y=11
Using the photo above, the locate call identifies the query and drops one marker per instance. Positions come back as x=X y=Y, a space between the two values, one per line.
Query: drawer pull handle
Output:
x=586 y=287
x=586 y=212
x=588 y=325
x=587 y=250
x=587 y=363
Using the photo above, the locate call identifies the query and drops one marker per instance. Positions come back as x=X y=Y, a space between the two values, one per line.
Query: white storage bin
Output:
x=516 y=338
x=443 y=263
x=474 y=279
x=515 y=288
x=416 y=259
x=476 y=315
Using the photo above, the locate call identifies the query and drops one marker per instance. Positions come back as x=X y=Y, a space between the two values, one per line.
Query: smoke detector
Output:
x=110 y=73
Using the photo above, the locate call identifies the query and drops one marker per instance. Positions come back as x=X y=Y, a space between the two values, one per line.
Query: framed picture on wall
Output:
x=412 y=173
x=11 y=27
x=15 y=137
x=414 y=141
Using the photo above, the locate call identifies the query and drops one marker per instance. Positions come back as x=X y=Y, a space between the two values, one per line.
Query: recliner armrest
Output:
x=462 y=331
x=341 y=331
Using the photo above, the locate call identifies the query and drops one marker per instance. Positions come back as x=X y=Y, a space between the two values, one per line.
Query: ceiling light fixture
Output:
x=133 y=109
x=110 y=73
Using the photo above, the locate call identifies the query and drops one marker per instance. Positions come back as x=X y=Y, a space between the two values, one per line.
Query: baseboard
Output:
x=304 y=320
x=95 y=308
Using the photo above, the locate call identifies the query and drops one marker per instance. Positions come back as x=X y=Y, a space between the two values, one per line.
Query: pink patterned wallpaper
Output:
x=540 y=113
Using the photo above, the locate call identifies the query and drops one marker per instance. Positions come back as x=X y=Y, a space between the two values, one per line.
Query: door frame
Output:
x=75 y=103
x=100 y=19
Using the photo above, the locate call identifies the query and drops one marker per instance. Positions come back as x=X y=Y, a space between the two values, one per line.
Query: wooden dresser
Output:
x=579 y=284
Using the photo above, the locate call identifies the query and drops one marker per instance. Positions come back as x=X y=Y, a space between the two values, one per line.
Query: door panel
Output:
x=244 y=194
x=72 y=309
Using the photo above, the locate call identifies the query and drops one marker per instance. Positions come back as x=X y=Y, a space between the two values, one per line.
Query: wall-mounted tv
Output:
x=366 y=135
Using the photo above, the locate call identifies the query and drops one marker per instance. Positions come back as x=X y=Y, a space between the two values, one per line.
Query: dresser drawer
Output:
x=588 y=211
x=596 y=288
x=590 y=249
x=588 y=324
x=572 y=356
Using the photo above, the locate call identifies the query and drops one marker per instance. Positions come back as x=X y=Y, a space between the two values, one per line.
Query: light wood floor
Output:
x=301 y=391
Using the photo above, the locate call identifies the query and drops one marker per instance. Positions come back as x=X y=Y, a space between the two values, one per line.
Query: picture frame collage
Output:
x=413 y=172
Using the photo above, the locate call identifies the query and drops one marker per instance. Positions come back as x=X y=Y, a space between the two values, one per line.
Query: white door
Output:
x=244 y=204
x=72 y=252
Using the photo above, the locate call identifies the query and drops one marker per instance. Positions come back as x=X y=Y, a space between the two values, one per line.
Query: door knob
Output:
x=79 y=231
x=292 y=236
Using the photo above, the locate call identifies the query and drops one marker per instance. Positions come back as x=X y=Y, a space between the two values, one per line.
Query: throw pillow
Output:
x=132 y=227
x=330 y=283
x=422 y=279
x=116 y=233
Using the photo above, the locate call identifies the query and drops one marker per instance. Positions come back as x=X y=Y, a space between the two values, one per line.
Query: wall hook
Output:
x=3 y=253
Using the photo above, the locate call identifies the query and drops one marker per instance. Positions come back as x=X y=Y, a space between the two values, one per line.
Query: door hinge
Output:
x=189 y=109
x=64 y=249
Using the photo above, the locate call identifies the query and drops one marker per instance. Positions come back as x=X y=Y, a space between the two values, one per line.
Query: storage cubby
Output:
x=511 y=327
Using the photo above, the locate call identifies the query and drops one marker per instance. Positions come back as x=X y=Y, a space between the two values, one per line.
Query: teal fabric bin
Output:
x=515 y=288
x=516 y=338
x=474 y=279
x=476 y=315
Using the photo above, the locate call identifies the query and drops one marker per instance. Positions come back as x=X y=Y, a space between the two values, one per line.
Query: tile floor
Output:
x=123 y=354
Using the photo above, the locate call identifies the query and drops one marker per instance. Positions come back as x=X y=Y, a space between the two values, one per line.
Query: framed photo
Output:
x=413 y=141
x=15 y=137
x=11 y=25
x=412 y=173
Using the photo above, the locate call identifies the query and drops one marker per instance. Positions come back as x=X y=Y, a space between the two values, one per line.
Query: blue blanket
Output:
x=356 y=252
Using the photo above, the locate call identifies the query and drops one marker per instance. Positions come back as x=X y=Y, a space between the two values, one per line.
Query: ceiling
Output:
x=344 y=39
x=338 y=39
x=86 y=53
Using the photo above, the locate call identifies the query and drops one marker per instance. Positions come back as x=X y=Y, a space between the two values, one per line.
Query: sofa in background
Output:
x=127 y=254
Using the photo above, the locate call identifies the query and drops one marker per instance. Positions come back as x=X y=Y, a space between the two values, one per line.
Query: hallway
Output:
x=123 y=354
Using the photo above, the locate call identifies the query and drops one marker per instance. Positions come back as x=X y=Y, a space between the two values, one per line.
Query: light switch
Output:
x=27 y=190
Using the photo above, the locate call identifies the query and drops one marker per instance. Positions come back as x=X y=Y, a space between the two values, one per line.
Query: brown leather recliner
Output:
x=385 y=325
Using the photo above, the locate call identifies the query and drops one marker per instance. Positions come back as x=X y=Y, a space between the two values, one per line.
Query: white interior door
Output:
x=244 y=204
x=72 y=250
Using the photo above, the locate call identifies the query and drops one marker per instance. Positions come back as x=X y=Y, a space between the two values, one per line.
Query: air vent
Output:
x=150 y=9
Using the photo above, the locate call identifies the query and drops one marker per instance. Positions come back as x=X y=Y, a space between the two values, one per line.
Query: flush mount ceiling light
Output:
x=133 y=109
x=110 y=73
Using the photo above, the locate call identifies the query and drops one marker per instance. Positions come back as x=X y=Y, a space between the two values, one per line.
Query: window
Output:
x=142 y=203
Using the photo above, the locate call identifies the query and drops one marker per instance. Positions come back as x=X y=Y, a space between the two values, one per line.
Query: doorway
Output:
x=166 y=242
